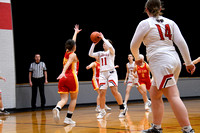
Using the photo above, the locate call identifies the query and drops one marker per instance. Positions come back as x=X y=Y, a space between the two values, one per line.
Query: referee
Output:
x=37 y=78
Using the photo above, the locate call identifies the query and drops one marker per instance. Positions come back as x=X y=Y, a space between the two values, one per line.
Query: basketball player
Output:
x=68 y=81
x=130 y=80
x=2 y=110
x=144 y=81
x=158 y=34
x=108 y=76
x=95 y=82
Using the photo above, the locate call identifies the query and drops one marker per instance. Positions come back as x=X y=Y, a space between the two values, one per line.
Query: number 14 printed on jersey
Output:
x=167 y=32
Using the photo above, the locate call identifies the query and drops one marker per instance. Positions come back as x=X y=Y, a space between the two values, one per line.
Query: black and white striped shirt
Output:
x=37 y=69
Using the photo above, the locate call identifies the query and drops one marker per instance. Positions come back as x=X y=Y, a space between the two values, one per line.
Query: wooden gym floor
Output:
x=136 y=120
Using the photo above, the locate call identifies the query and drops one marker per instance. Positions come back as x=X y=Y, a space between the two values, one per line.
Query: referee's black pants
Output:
x=38 y=82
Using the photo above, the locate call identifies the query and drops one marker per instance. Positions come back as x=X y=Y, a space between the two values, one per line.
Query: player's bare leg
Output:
x=72 y=104
x=143 y=92
x=98 y=97
x=60 y=104
x=178 y=107
x=116 y=94
x=102 y=103
x=128 y=89
x=63 y=101
x=98 y=109
x=71 y=108
x=119 y=100
x=157 y=105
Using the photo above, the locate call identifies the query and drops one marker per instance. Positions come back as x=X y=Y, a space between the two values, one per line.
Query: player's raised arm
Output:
x=76 y=31
x=91 y=52
x=110 y=47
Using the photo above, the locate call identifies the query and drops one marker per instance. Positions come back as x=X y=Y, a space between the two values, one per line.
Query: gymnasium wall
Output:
x=189 y=87
x=7 y=61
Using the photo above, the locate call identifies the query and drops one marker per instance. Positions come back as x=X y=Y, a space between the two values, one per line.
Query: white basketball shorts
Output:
x=108 y=78
x=165 y=68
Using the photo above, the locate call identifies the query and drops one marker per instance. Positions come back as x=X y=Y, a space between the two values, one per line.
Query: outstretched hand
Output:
x=76 y=28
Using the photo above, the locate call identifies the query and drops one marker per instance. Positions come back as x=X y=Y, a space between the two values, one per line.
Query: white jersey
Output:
x=158 y=35
x=106 y=60
x=130 y=68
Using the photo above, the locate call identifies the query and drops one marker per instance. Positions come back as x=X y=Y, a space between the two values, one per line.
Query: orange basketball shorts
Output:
x=69 y=84
x=146 y=82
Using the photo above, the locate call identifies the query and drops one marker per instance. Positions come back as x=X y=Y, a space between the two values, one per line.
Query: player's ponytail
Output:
x=154 y=7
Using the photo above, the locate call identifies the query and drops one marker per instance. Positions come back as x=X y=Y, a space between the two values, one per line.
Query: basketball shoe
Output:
x=69 y=121
x=153 y=130
x=107 y=108
x=101 y=114
x=56 y=115
x=123 y=112
x=147 y=105
x=4 y=112
x=191 y=131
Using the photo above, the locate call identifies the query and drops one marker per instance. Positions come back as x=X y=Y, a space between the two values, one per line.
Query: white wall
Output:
x=7 y=62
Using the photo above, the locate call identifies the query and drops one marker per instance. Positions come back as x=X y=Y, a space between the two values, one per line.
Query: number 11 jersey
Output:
x=106 y=61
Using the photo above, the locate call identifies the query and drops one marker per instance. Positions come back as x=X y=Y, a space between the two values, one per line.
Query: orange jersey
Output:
x=95 y=78
x=74 y=67
x=96 y=70
x=144 y=76
x=69 y=84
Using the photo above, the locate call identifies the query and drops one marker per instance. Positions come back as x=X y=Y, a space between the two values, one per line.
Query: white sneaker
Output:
x=69 y=121
x=101 y=114
x=98 y=109
x=125 y=106
x=56 y=115
x=107 y=108
x=149 y=101
x=147 y=105
x=123 y=112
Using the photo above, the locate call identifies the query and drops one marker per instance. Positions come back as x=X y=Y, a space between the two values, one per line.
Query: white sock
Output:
x=69 y=112
x=2 y=109
x=157 y=126
x=187 y=128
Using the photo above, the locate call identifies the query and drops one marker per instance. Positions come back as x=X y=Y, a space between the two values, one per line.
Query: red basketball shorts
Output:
x=68 y=84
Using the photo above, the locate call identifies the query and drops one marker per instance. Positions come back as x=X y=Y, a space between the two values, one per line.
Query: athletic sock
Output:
x=69 y=114
x=121 y=107
x=157 y=126
x=187 y=128
x=59 y=108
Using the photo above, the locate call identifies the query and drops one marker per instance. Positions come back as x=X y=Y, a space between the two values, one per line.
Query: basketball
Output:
x=95 y=37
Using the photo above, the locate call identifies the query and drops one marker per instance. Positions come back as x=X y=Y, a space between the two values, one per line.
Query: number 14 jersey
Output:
x=160 y=35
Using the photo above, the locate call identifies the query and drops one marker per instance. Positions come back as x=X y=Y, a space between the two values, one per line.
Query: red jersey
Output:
x=69 y=84
x=95 y=78
x=143 y=75
x=96 y=70
x=74 y=67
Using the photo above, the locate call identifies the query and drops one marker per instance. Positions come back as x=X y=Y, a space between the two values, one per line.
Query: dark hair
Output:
x=110 y=41
x=154 y=7
x=69 y=44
